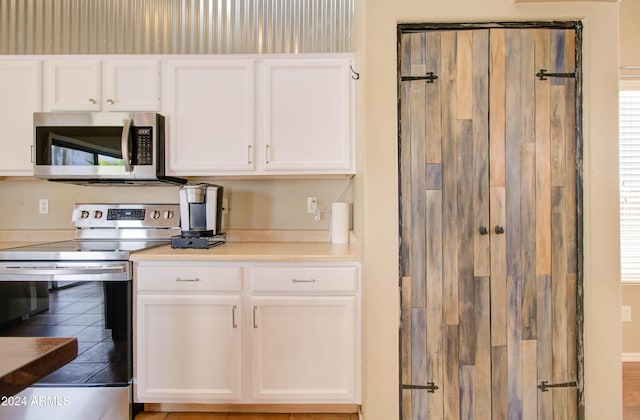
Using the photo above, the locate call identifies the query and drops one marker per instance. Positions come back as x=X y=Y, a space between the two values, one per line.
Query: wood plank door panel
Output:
x=489 y=254
x=446 y=339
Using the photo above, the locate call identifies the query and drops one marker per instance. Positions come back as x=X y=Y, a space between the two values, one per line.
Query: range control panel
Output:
x=113 y=216
x=126 y=214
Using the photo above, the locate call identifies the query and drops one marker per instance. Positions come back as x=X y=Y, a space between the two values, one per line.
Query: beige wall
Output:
x=378 y=137
x=630 y=330
x=629 y=33
x=253 y=204
x=630 y=56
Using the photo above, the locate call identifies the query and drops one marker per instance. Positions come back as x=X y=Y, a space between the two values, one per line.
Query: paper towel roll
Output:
x=340 y=222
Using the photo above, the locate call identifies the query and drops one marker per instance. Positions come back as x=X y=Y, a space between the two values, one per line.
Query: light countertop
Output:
x=285 y=246
x=255 y=251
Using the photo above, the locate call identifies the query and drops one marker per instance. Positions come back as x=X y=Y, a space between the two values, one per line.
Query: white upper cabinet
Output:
x=248 y=115
x=307 y=115
x=260 y=116
x=91 y=85
x=131 y=85
x=21 y=87
x=72 y=85
x=210 y=109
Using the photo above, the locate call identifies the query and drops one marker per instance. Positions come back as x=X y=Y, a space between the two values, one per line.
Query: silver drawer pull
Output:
x=234 y=324
x=311 y=280
x=181 y=279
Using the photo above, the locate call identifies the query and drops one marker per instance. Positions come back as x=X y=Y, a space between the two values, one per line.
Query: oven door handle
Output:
x=32 y=271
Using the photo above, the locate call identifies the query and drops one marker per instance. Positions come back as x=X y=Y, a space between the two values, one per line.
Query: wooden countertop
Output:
x=256 y=251
x=25 y=360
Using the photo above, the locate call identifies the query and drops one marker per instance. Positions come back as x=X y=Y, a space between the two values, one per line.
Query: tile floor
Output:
x=78 y=311
x=242 y=416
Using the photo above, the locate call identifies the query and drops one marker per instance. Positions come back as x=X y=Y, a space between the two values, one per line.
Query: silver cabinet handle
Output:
x=268 y=153
x=249 y=154
x=92 y=101
x=312 y=280
x=233 y=317
x=255 y=308
x=109 y=101
x=181 y=279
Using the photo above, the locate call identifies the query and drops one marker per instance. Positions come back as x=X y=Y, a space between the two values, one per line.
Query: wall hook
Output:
x=355 y=75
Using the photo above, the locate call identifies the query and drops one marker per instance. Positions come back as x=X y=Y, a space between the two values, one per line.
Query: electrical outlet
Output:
x=312 y=204
x=626 y=314
x=43 y=206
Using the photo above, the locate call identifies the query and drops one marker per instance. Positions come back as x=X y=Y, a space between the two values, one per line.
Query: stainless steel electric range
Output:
x=81 y=288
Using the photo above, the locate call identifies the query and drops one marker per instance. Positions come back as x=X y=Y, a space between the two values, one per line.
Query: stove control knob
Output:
x=168 y=214
x=84 y=214
x=155 y=214
x=97 y=214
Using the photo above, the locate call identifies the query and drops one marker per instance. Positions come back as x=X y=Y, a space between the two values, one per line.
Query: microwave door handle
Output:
x=124 y=144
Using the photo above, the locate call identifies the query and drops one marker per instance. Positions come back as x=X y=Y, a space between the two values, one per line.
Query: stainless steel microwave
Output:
x=100 y=148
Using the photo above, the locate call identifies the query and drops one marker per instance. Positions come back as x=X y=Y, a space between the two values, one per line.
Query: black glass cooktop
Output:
x=105 y=250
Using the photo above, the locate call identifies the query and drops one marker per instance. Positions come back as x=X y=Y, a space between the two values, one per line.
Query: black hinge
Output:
x=545 y=385
x=429 y=77
x=430 y=387
x=542 y=74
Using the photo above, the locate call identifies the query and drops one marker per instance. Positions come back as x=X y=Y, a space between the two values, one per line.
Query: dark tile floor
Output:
x=78 y=311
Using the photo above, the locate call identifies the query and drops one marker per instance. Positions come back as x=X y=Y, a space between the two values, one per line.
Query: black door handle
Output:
x=484 y=230
x=499 y=230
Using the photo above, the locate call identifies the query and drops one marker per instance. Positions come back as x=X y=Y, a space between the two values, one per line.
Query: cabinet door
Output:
x=211 y=113
x=304 y=349
x=131 y=85
x=21 y=86
x=72 y=85
x=188 y=348
x=307 y=116
x=490 y=266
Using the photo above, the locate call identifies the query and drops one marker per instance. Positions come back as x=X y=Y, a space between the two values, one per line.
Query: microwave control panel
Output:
x=144 y=146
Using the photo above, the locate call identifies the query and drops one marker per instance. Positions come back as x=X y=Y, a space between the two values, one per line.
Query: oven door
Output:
x=96 y=309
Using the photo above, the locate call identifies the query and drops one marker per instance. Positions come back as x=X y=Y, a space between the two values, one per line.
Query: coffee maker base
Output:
x=198 y=242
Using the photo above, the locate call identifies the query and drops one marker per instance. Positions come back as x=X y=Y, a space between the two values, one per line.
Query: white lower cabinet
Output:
x=189 y=348
x=188 y=337
x=268 y=333
x=304 y=348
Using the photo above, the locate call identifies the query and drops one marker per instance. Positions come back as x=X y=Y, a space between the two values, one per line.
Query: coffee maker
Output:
x=200 y=217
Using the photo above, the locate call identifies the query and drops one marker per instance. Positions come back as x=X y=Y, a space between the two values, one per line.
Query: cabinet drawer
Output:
x=311 y=279
x=189 y=278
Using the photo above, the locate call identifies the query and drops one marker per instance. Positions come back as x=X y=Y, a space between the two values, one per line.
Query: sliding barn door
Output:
x=489 y=229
